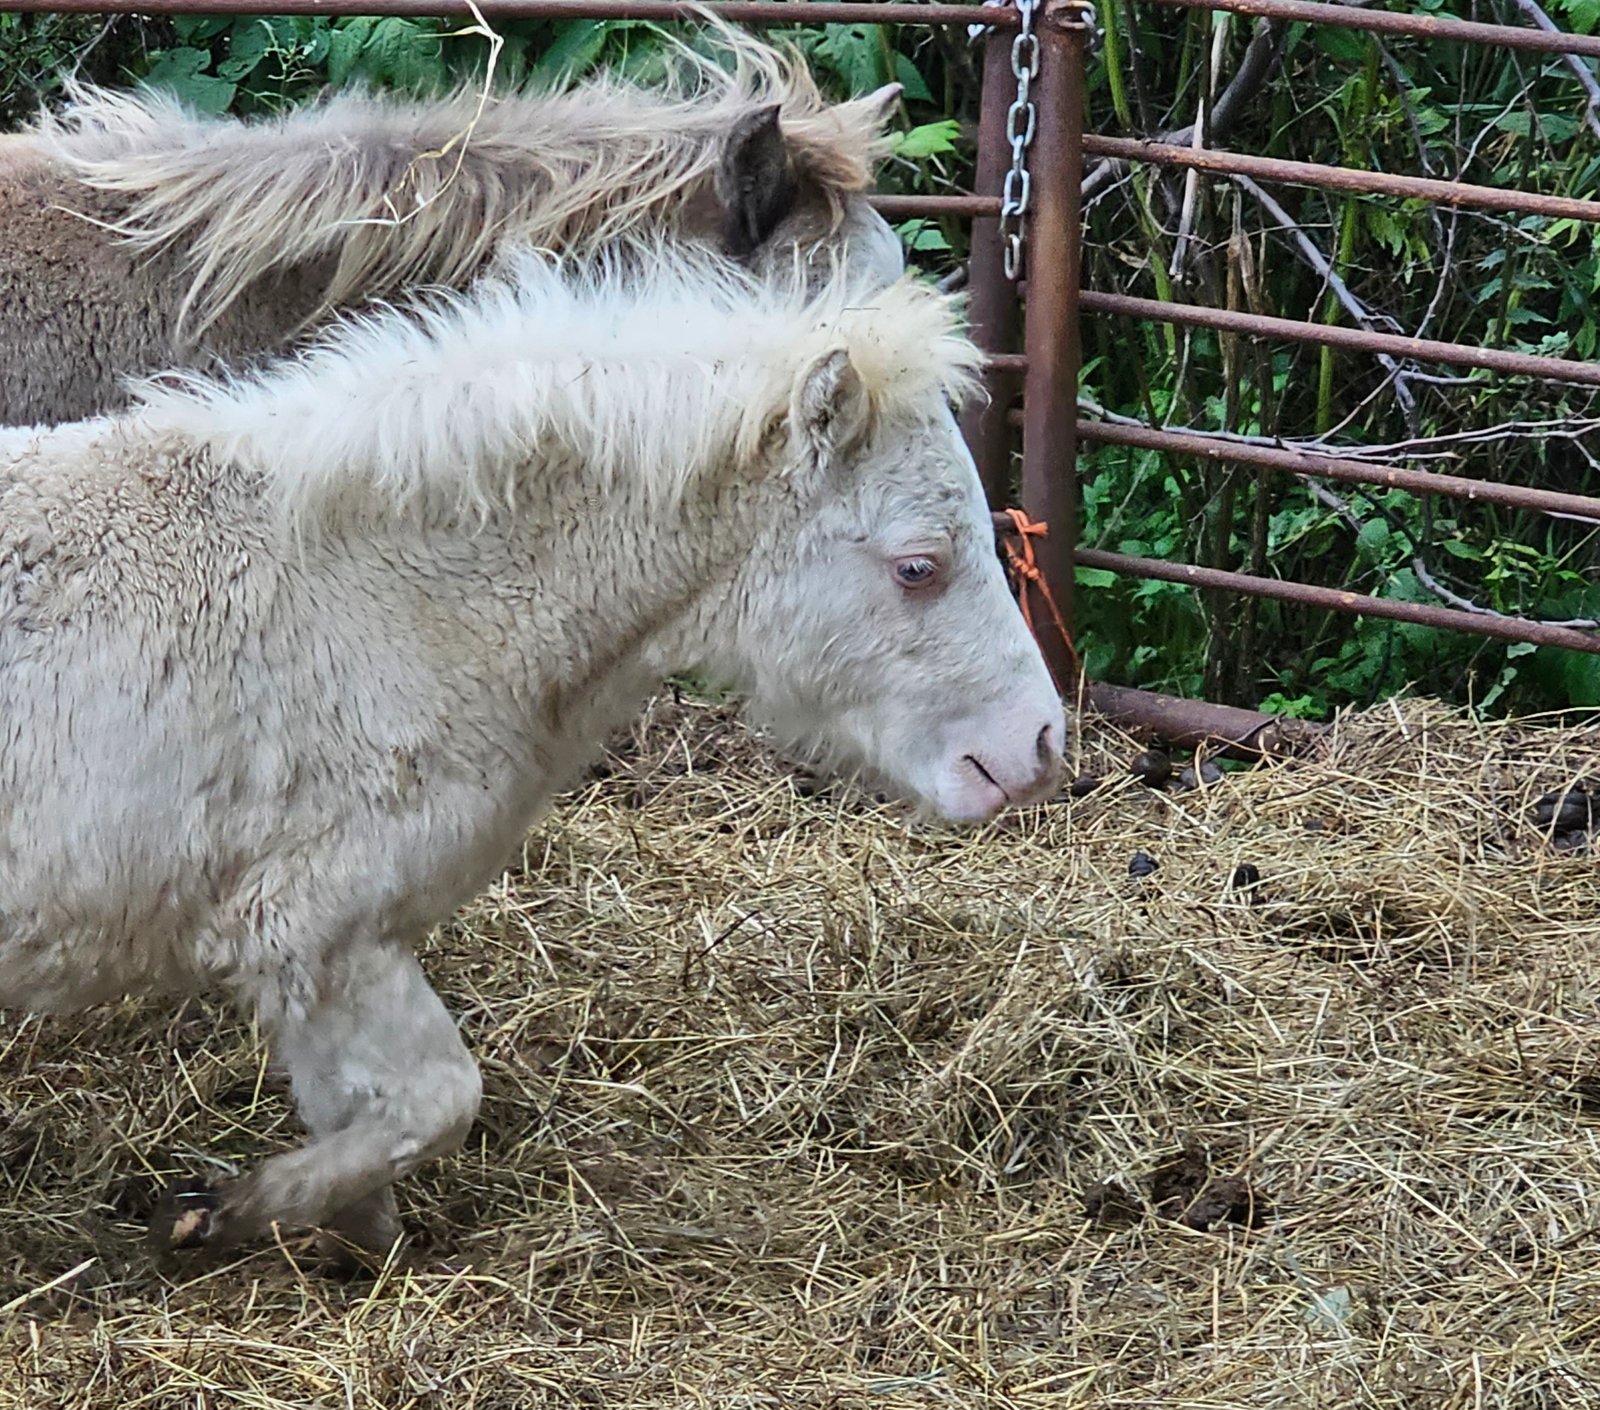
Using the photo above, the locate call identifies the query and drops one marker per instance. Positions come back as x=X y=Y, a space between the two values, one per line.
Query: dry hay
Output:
x=791 y=1105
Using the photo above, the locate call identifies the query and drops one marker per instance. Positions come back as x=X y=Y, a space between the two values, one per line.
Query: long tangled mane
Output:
x=405 y=191
x=647 y=381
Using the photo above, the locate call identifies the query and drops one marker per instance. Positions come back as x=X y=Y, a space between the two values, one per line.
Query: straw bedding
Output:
x=790 y=1104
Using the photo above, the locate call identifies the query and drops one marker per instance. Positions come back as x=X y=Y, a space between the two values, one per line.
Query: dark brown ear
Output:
x=756 y=184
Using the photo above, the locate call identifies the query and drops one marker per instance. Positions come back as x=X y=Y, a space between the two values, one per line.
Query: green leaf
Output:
x=577 y=47
x=194 y=30
x=928 y=140
x=1094 y=577
x=345 y=45
x=1373 y=539
x=248 y=45
x=182 y=73
x=1582 y=15
x=922 y=235
x=400 y=51
x=1341 y=44
x=852 y=51
x=905 y=73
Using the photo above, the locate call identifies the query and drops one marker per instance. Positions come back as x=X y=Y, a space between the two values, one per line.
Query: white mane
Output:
x=647 y=378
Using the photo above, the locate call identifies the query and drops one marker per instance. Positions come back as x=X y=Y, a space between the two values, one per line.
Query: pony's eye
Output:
x=915 y=572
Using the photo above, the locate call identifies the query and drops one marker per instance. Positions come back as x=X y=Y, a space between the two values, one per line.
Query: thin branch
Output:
x=1318 y=261
x=1341 y=291
x=1259 y=63
x=1466 y=604
x=1582 y=71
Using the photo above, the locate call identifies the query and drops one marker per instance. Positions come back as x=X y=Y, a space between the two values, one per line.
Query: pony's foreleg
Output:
x=383 y=1082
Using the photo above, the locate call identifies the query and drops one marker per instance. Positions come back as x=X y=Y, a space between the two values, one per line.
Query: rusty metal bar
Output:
x=1416 y=25
x=993 y=312
x=1343 y=178
x=1007 y=362
x=1050 y=331
x=907 y=207
x=1342 y=468
x=1550 y=369
x=1336 y=600
x=752 y=12
x=1223 y=730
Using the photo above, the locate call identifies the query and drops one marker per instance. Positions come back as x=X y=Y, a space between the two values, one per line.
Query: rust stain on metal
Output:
x=1343 y=178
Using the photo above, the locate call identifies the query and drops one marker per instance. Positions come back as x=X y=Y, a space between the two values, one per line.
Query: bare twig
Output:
x=1255 y=68
x=1579 y=67
x=1318 y=261
x=1466 y=604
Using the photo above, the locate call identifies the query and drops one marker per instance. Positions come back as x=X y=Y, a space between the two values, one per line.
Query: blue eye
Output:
x=915 y=572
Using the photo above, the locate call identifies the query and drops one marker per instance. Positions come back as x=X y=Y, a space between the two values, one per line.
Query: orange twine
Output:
x=1026 y=569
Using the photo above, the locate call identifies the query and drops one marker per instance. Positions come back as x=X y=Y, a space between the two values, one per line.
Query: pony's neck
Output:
x=598 y=598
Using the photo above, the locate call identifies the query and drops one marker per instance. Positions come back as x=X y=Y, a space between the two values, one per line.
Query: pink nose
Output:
x=986 y=780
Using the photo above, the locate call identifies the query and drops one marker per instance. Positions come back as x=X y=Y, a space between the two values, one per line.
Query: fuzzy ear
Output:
x=756 y=183
x=831 y=405
x=877 y=106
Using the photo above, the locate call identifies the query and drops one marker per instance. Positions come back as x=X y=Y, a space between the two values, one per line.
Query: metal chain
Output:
x=1021 y=119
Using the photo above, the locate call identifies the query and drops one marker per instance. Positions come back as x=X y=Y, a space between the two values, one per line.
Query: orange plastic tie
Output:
x=1026 y=568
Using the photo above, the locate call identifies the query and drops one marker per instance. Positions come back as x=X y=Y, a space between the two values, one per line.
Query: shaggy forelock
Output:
x=647 y=377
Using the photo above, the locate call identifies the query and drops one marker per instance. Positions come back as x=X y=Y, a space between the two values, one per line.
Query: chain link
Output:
x=1021 y=119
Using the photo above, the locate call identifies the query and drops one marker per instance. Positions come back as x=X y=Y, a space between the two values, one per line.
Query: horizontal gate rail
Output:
x=1396 y=345
x=901 y=207
x=1336 y=600
x=1343 y=178
x=1417 y=26
x=1346 y=469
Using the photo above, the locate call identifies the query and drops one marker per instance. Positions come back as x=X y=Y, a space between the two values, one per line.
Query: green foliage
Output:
x=1491 y=116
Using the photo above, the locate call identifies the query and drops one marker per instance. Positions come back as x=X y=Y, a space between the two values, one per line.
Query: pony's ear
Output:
x=875 y=107
x=756 y=183
x=832 y=408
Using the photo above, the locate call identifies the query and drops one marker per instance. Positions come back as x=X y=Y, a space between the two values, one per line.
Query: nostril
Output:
x=1046 y=743
x=984 y=773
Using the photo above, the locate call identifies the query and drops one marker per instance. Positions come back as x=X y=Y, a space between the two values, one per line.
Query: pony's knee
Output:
x=453 y=1093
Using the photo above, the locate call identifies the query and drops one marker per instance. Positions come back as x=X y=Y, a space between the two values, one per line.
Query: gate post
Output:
x=993 y=314
x=1050 y=316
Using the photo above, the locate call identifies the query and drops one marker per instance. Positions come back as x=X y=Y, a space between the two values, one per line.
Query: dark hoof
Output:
x=186 y=1216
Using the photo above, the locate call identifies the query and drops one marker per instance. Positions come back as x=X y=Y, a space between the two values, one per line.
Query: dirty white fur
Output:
x=438 y=403
x=236 y=759
x=401 y=191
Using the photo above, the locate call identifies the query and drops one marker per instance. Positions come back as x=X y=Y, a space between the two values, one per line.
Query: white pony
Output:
x=290 y=663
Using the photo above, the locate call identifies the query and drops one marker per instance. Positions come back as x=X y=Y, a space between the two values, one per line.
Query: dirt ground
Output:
x=792 y=1104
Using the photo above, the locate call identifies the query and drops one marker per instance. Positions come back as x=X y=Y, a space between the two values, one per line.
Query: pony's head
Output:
x=872 y=626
